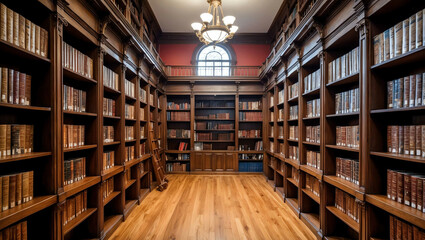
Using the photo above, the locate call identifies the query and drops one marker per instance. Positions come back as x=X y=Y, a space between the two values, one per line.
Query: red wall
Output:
x=246 y=54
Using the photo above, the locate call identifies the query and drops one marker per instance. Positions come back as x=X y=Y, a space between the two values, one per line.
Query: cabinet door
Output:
x=231 y=162
x=207 y=162
x=219 y=160
x=197 y=160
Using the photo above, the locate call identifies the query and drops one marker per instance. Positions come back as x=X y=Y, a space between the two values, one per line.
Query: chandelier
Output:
x=211 y=30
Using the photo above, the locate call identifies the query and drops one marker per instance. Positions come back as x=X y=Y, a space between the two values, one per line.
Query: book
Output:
x=347 y=102
x=313 y=108
x=311 y=82
x=129 y=88
x=74 y=170
x=74 y=99
x=346 y=65
x=313 y=159
x=347 y=204
x=406 y=140
x=74 y=206
x=110 y=78
x=348 y=169
x=108 y=160
x=17 y=231
x=293 y=91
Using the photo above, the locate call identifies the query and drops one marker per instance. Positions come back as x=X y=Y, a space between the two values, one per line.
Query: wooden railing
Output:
x=152 y=49
x=213 y=71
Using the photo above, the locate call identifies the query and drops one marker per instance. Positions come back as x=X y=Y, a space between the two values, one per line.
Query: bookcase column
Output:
x=59 y=220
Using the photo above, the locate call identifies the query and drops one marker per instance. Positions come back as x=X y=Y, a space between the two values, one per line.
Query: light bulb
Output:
x=196 y=26
x=206 y=17
x=229 y=20
x=233 y=29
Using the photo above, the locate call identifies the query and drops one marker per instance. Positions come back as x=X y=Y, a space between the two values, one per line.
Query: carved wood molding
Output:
x=362 y=27
x=60 y=22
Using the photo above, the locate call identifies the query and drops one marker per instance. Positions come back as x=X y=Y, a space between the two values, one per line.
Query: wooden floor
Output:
x=213 y=207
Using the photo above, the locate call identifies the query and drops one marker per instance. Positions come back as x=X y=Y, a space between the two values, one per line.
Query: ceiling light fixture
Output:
x=211 y=30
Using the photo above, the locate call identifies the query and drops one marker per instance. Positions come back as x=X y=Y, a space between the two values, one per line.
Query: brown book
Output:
x=8 y=140
x=412 y=32
x=30 y=138
x=392 y=229
x=394 y=184
x=3 y=140
x=406 y=40
x=423 y=140
x=25 y=186
x=18 y=231
x=19 y=189
x=406 y=146
x=398 y=37
x=377 y=48
x=419 y=193
x=419 y=28
x=3 y=22
x=4 y=84
x=412 y=140
x=27 y=90
x=32 y=39
x=27 y=35
x=31 y=185
x=37 y=39
x=390 y=94
x=21 y=31
x=22 y=82
x=15 y=139
x=418 y=94
x=407 y=189
x=9 y=25
x=15 y=87
x=389 y=182
x=11 y=79
x=412 y=91
x=5 y=196
x=12 y=191
x=386 y=41
x=16 y=28
x=389 y=142
x=24 y=231
x=418 y=143
x=400 y=139
x=400 y=187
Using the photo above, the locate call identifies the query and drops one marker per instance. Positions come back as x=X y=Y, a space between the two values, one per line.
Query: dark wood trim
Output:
x=190 y=38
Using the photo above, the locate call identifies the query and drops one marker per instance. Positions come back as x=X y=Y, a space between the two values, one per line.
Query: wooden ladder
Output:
x=156 y=163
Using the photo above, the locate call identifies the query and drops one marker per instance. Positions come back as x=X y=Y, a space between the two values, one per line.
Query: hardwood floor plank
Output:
x=213 y=207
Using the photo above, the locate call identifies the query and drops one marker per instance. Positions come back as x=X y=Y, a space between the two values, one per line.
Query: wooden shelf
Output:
x=81 y=148
x=343 y=148
x=84 y=114
x=67 y=73
x=291 y=180
x=178 y=110
x=22 y=53
x=405 y=59
x=79 y=219
x=108 y=173
x=343 y=115
x=168 y=138
x=112 y=117
x=214 y=130
x=314 y=92
x=131 y=182
x=177 y=121
x=251 y=151
x=215 y=141
x=390 y=111
x=177 y=151
x=346 y=186
x=312 y=171
x=144 y=174
x=293 y=100
x=111 y=143
x=293 y=204
x=311 y=118
x=293 y=120
x=130 y=99
x=294 y=163
x=400 y=157
x=311 y=143
x=255 y=138
x=312 y=220
x=407 y=213
x=110 y=197
x=244 y=121
x=131 y=163
x=353 y=78
x=344 y=218
x=129 y=206
x=250 y=110
x=22 y=211
x=25 y=107
x=213 y=108
x=77 y=187
x=110 y=224
x=25 y=156
x=292 y=140
x=111 y=90
x=311 y=195
x=215 y=119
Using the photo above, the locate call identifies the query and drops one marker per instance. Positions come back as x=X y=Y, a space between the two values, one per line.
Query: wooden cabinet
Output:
x=214 y=161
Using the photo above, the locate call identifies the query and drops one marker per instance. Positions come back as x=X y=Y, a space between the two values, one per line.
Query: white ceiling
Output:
x=252 y=16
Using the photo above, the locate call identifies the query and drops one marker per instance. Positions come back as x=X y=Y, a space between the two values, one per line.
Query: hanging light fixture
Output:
x=213 y=29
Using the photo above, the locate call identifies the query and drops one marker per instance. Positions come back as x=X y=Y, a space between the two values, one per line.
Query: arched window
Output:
x=213 y=61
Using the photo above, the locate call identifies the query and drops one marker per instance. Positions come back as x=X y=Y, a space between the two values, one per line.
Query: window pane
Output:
x=213 y=61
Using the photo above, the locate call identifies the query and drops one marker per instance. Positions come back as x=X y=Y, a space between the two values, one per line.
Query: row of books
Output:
x=250 y=116
x=206 y=104
x=17 y=231
x=281 y=96
x=110 y=78
x=313 y=108
x=401 y=38
x=293 y=132
x=177 y=157
x=406 y=188
x=142 y=132
x=107 y=187
x=214 y=126
x=15 y=86
x=250 y=167
x=127 y=177
x=406 y=92
x=347 y=102
x=251 y=156
x=151 y=99
x=274 y=163
x=214 y=136
x=249 y=133
x=176 y=167
x=258 y=146
x=400 y=229
x=178 y=116
x=348 y=136
x=293 y=112
x=74 y=99
x=129 y=133
x=293 y=153
x=109 y=107
x=271 y=101
x=142 y=149
x=142 y=115
x=129 y=88
x=16 y=139
x=312 y=81
x=282 y=149
x=76 y=61
x=280 y=132
x=21 y=32
x=348 y=169
x=312 y=134
x=16 y=189
x=74 y=207
x=74 y=170
x=271 y=131
x=312 y=184
x=344 y=66
x=73 y=136
x=409 y=140
x=281 y=115
x=271 y=117
x=313 y=159
x=199 y=146
x=108 y=134
x=143 y=97
x=347 y=204
x=129 y=112
x=293 y=90
x=250 y=105
x=178 y=106
x=214 y=116
x=295 y=174
x=129 y=153
x=178 y=133
x=183 y=146
x=271 y=147
x=108 y=160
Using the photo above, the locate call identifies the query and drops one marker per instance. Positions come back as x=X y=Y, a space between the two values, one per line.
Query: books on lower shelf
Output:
x=250 y=167
x=408 y=140
x=312 y=81
x=213 y=126
x=178 y=116
x=177 y=157
x=178 y=106
x=312 y=184
x=271 y=117
x=295 y=174
x=73 y=136
x=178 y=133
x=108 y=159
x=183 y=146
x=273 y=163
x=21 y=32
x=214 y=136
x=129 y=133
x=74 y=99
x=143 y=97
x=406 y=188
x=348 y=136
x=293 y=112
x=214 y=116
x=15 y=87
x=109 y=107
x=272 y=146
x=347 y=204
x=250 y=105
x=280 y=132
x=129 y=88
x=74 y=170
x=251 y=156
x=313 y=159
x=127 y=177
x=16 y=139
x=142 y=148
x=250 y=116
x=17 y=231
x=129 y=153
x=142 y=132
x=348 y=169
x=215 y=104
x=406 y=92
x=108 y=134
x=199 y=146
x=282 y=149
x=281 y=96
x=401 y=38
x=400 y=229
x=249 y=133
x=129 y=112
x=258 y=146
x=347 y=102
x=313 y=108
x=281 y=114
x=76 y=61
x=107 y=187
x=344 y=66
x=176 y=167
x=293 y=153
x=293 y=132
x=312 y=134
x=16 y=189
x=110 y=78
x=74 y=207
x=151 y=99
x=293 y=90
